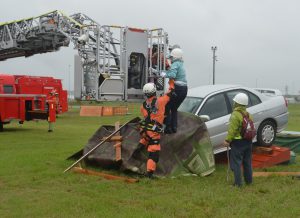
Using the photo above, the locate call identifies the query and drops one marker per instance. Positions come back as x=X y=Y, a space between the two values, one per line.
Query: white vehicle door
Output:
x=217 y=109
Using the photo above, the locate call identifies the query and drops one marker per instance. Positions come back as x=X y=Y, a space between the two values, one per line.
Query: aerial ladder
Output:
x=113 y=62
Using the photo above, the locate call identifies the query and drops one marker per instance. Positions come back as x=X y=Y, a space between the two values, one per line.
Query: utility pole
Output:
x=214 y=48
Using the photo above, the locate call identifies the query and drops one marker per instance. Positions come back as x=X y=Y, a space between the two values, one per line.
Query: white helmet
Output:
x=149 y=89
x=175 y=46
x=176 y=53
x=241 y=98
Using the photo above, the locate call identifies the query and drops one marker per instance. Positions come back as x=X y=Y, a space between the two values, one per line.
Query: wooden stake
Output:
x=118 y=143
x=266 y=174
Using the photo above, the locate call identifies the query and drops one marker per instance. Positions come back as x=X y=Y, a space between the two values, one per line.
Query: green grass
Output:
x=32 y=182
x=294 y=117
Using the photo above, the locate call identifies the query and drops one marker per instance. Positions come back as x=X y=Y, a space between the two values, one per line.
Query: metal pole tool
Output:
x=228 y=164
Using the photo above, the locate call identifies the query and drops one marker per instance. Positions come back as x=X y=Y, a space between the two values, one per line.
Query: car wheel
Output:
x=266 y=133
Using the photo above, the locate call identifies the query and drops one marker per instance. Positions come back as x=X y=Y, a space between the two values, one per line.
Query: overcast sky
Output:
x=258 y=40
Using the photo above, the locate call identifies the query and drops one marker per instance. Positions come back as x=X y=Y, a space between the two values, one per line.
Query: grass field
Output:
x=32 y=182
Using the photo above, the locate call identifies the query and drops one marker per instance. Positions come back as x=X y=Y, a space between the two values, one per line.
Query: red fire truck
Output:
x=31 y=97
x=42 y=85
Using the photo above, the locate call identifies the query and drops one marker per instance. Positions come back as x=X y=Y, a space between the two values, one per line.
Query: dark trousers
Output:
x=241 y=155
x=172 y=106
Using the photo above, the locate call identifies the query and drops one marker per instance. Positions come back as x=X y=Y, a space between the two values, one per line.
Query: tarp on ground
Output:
x=189 y=151
x=290 y=139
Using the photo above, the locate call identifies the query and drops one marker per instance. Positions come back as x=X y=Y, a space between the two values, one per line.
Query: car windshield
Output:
x=190 y=104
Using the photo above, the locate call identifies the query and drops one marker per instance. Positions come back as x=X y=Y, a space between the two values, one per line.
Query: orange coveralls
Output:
x=151 y=138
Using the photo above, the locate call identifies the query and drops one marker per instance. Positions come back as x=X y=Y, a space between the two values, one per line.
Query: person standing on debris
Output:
x=241 y=146
x=178 y=82
x=153 y=110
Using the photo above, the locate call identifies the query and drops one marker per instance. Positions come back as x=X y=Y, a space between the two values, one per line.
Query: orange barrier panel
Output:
x=107 y=111
x=120 y=111
x=91 y=111
x=97 y=111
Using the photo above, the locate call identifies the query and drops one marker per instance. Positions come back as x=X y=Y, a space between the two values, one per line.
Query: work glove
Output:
x=163 y=74
x=154 y=71
x=105 y=75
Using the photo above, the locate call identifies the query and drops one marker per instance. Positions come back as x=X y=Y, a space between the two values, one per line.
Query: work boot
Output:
x=237 y=185
x=149 y=174
x=174 y=129
x=168 y=131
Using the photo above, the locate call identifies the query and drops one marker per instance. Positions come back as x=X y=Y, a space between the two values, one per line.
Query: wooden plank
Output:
x=104 y=175
x=266 y=174
x=262 y=150
x=114 y=138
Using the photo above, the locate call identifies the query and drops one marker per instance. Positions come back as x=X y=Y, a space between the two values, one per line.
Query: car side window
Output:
x=254 y=99
x=231 y=94
x=215 y=107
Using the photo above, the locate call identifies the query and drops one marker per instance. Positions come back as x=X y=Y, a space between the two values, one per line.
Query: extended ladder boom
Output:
x=113 y=60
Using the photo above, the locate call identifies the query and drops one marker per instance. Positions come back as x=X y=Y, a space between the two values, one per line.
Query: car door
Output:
x=217 y=108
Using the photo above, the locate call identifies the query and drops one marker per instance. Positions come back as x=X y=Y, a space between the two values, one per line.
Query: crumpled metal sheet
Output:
x=189 y=151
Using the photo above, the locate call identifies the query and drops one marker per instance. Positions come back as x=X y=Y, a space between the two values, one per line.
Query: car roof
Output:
x=203 y=91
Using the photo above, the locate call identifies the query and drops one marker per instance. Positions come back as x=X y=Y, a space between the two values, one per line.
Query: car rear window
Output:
x=267 y=92
x=190 y=104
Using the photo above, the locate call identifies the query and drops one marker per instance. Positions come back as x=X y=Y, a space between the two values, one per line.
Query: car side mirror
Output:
x=204 y=118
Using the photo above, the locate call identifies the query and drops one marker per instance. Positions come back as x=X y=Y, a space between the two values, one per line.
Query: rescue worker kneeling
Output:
x=153 y=110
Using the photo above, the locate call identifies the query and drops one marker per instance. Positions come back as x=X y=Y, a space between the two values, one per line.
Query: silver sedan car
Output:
x=214 y=104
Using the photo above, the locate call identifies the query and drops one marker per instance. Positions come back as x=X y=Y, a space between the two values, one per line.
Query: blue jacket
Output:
x=177 y=72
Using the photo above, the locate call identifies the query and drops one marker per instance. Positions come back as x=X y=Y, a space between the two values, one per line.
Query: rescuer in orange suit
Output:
x=153 y=110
